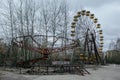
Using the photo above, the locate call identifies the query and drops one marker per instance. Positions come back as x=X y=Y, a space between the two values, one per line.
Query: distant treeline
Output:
x=113 y=57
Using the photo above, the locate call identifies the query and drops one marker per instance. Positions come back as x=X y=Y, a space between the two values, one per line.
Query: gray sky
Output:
x=107 y=12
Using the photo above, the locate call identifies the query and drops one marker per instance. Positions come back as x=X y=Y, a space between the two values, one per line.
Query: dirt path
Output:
x=11 y=76
x=111 y=72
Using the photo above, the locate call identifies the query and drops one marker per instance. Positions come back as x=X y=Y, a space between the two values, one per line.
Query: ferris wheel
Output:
x=86 y=29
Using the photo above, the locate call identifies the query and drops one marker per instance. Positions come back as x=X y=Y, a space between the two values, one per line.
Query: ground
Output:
x=108 y=72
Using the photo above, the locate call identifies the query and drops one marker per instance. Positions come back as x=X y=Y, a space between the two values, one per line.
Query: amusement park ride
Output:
x=45 y=51
x=86 y=28
x=86 y=33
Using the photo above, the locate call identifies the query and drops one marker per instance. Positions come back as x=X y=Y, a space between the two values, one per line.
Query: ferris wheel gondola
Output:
x=87 y=30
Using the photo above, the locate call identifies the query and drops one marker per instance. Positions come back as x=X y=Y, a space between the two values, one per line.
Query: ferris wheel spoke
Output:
x=88 y=31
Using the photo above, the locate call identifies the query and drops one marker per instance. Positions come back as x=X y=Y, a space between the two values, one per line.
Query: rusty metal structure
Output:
x=86 y=42
x=39 y=48
x=86 y=29
x=46 y=51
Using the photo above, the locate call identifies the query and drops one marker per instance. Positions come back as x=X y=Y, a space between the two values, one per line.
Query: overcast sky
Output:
x=107 y=12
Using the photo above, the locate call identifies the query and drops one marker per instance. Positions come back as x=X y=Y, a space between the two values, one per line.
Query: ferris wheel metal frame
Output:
x=87 y=30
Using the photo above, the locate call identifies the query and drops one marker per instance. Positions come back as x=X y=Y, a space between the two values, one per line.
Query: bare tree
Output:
x=112 y=45
x=24 y=17
x=118 y=44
